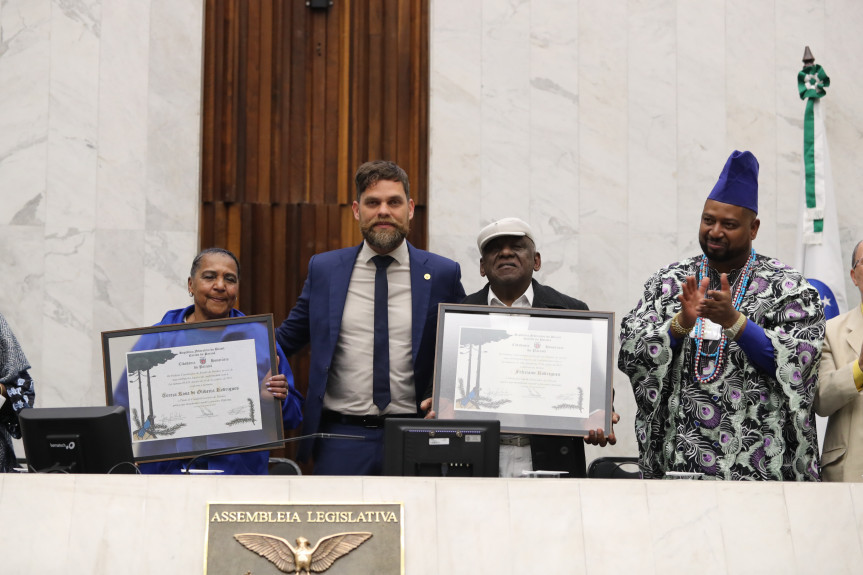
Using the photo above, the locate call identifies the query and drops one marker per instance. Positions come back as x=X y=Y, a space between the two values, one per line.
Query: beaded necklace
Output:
x=715 y=360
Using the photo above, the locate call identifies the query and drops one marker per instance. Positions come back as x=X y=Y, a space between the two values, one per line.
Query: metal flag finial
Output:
x=808 y=58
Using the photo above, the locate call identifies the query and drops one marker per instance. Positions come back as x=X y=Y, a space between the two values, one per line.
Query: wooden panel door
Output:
x=295 y=99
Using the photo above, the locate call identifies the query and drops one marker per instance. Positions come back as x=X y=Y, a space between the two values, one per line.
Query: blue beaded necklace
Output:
x=715 y=360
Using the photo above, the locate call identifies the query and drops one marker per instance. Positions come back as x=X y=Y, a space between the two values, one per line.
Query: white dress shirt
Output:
x=514 y=458
x=349 y=386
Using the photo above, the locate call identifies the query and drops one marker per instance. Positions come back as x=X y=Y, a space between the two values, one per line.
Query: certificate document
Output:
x=537 y=371
x=529 y=372
x=194 y=390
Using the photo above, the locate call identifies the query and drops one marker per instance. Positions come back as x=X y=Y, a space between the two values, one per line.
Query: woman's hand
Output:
x=277 y=385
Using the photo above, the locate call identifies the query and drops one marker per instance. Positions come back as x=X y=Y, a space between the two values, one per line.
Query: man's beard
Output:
x=719 y=257
x=385 y=240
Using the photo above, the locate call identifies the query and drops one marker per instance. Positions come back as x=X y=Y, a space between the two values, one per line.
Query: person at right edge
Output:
x=722 y=352
x=508 y=259
x=841 y=381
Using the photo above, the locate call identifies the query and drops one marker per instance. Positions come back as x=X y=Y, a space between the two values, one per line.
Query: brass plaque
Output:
x=331 y=538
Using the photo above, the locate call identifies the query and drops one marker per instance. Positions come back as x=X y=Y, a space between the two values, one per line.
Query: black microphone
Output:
x=270 y=444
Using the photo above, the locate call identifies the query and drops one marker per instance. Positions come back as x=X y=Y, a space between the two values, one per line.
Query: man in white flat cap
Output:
x=508 y=260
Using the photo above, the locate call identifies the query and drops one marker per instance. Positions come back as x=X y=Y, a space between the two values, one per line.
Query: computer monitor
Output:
x=77 y=440
x=441 y=448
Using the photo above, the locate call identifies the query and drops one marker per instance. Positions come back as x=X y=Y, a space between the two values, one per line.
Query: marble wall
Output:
x=606 y=124
x=602 y=123
x=144 y=525
x=99 y=176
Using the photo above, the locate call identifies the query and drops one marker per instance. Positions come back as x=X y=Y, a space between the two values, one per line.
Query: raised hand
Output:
x=717 y=306
x=691 y=298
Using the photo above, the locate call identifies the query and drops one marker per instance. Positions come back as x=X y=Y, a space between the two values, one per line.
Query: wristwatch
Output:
x=732 y=331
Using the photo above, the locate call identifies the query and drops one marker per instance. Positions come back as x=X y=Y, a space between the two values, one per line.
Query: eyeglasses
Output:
x=857 y=263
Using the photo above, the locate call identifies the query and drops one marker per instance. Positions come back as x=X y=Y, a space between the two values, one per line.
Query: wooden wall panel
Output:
x=298 y=115
x=294 y=100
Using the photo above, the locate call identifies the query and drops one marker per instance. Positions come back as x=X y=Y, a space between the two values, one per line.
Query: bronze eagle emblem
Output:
x=303 y=558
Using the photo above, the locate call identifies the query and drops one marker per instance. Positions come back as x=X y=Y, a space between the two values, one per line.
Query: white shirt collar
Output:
x=400 y=254
x=524 y=300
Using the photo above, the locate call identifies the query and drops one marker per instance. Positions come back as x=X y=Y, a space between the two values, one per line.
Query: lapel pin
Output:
x=427 y=276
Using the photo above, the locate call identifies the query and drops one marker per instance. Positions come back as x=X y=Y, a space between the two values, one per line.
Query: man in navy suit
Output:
x=335 y=314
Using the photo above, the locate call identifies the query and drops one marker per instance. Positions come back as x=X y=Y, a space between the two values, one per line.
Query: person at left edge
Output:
x=16 y=392
x=214 y=282
x=335 y=315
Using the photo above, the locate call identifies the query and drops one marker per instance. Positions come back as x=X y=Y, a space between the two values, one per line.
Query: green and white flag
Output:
x=819 y=252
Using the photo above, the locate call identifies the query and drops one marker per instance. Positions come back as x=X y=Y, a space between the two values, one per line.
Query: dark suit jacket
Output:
x=549 y=452
x=317 y=318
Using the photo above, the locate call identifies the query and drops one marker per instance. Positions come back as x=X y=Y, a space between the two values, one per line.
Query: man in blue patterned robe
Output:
x=722 y=352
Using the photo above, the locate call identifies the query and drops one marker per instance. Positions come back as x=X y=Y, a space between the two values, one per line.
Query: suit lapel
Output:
x=477 y=298
x=855 y=331
x=421 y=281
x=538 y=295
x=540 y=299
x=339 y=283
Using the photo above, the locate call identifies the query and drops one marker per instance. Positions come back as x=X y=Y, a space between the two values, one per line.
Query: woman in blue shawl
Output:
x=213 y=284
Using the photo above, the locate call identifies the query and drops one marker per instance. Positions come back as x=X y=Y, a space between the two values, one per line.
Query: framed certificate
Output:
x=191 y=389
x=539 y=371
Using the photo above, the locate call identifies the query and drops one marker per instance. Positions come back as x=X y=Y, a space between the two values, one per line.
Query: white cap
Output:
x=504 y=227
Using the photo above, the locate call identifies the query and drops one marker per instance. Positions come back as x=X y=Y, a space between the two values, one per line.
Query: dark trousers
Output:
x=558 y=453
x=349 y=456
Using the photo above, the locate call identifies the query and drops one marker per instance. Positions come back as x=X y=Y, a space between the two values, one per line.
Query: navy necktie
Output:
x=381 y=358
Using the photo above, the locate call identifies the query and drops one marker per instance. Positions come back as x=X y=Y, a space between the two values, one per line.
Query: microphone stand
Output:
x=268 y=445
